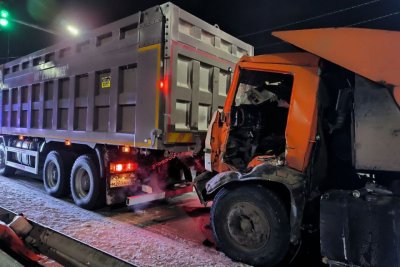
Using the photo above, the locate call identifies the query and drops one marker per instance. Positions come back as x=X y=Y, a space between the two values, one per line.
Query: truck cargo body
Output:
x=149 y=81
x=105 y=88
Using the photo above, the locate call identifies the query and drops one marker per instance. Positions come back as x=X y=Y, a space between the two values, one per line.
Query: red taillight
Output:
x=123 y=167
x=163 y=86
x=119 y=167
x=131 y=167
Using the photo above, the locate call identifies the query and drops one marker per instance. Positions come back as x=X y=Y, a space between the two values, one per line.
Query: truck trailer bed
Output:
x=150 y=80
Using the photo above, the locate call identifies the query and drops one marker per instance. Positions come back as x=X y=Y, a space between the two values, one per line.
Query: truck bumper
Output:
x=200 y=186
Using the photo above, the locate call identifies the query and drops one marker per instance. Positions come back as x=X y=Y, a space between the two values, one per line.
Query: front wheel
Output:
x=85 y=183
x=250 y=224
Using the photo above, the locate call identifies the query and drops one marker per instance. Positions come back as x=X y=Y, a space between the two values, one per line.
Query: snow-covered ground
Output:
x=160 y=244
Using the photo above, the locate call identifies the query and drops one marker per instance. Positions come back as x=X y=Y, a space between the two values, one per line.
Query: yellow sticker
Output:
x=106 y=82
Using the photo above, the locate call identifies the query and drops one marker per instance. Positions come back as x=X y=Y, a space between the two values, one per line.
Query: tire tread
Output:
x=282 y=239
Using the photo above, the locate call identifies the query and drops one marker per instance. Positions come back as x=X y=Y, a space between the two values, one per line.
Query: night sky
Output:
x=251 y=20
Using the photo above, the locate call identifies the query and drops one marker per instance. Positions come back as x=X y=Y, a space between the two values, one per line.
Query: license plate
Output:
x=123 y=179
x=207 y=161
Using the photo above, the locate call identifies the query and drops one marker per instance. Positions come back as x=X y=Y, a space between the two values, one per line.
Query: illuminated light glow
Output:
x=21 y=137
x=3 y=22
x=129 y=167
x=123 y=167
x=119 y=167
x=4 y=13
x=67 y=142
x=164 y=85
x=126 y=149
x=73 y=30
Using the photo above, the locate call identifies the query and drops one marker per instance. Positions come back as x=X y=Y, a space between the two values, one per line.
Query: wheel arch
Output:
x=289 y=186
x=2 y=140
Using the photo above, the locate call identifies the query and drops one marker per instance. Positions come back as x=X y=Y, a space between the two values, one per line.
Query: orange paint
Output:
x=302 y=117
x=396 y=94
x=367 y=52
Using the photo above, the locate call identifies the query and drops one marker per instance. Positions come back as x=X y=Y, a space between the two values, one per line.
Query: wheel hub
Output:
x=82 y=183
x=247 y=226
x=52 y=175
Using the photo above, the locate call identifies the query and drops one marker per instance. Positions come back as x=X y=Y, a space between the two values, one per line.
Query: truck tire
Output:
x=250 y=224
x=5 y=170
x=86 y=186
x=56 y=174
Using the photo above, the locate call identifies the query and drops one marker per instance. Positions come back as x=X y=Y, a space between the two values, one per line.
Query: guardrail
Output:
x=31 y=242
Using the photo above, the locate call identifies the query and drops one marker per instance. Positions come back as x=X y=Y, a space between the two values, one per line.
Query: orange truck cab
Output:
x=299 y=135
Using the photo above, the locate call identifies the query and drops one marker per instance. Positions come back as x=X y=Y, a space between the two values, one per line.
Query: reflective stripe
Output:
x=180 y=138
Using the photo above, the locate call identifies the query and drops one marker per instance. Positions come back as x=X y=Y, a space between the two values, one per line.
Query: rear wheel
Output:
x=85 y=184
x=4 y=169
x=56 y=174
x=250 y=224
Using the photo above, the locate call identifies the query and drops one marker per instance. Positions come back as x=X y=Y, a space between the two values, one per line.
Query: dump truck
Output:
x=307 y=142
x=119 y=114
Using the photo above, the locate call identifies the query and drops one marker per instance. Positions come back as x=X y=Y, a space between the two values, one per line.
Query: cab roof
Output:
x=300 y=58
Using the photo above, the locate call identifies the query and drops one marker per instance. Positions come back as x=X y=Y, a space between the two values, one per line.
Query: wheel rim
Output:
x=82 y=183
x=52 y=176
x=248 y=226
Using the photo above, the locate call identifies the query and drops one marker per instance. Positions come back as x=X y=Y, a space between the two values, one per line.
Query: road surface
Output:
x=163 y=233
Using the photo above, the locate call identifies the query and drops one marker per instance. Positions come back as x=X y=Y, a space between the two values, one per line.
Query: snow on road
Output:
x=131 y=243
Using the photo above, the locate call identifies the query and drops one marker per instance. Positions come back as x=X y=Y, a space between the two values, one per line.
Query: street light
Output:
x=5 y=21
x=73 y=30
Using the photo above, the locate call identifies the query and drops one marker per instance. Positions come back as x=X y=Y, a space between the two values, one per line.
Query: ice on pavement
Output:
x=131 y=243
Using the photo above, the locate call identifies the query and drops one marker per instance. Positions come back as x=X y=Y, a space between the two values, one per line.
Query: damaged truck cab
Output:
x=293 y=127
x=262 y=139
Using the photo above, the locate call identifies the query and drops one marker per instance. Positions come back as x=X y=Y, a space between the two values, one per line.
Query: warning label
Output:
x=106 y=82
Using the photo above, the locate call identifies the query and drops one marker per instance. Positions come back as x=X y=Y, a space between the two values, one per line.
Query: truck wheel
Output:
x=56 y=174
x=85 y=183
x=4 y=169
x=250 y=224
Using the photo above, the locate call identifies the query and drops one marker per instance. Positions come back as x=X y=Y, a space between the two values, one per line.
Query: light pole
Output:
x=5 y=21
